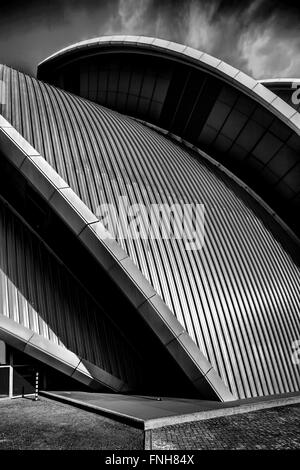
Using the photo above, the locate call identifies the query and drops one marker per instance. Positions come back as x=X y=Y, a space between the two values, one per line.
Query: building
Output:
x=158 y=123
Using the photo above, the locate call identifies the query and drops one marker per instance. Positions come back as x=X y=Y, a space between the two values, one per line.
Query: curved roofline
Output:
x=253 y=88
x=114 y=260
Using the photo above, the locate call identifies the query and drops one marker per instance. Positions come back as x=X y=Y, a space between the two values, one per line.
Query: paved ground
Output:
x=138 y=407
x=149 y=411
x=46 y=424
x=273 y=428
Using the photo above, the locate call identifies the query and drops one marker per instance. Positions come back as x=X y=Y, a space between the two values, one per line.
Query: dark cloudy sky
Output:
x=261 y=37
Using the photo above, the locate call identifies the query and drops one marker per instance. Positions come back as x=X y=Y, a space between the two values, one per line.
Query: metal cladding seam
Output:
x=238 y=297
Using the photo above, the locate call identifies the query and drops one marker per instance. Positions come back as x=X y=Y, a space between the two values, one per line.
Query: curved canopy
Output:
x=197 y=97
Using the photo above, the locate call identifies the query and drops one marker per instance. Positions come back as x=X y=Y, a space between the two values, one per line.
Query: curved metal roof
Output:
x=221 y=110
x=116 y=262
x=237 y=298
x=218 y=67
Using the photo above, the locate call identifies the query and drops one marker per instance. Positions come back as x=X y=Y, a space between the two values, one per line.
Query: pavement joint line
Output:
x=148 y=439
x=128 y=419
x=156 y=423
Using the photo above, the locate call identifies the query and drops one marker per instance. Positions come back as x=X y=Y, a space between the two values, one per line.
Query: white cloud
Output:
x=270 y=53
x=263 y=43
x=200 y=32
x=130 y=18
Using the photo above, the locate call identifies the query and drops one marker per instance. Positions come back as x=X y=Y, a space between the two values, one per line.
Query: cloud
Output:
x=272 y=50
x=260 y=37
x=129 y=16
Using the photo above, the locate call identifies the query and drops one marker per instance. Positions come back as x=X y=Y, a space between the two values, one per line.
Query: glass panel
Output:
x=267 y=147
x=293 y=178
x=93 y=82
x=121 y=101
x=148 y=85
x=207 y=135
x=228 y=95
x=101 y=97
x=250 y=135
x=245 y=105
x=4 y=382
x=113 y=79
x=155 y=110
x=143 y=106
x=164 y=73
x=131 y=103
x=111 y=98
x=254 y=163
x=124 y=80
x=294 y=142
x=222 y=143
x=238 y=152
x=83 y=81
x=264 y=118
x=136 y=82
x=268 y=176
x=218 y=115
x=283 y=161
x=161 y=89
x=280 y=130
x=284 y=190
x=234 y=124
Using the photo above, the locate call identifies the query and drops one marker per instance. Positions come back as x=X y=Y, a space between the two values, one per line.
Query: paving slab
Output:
x=268 y=429
x=154 y=412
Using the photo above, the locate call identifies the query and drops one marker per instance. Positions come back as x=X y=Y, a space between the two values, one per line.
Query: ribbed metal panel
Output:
x=238 y=297
x=38 y=292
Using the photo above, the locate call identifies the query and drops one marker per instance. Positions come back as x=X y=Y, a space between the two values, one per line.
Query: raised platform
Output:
x=151 y=413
